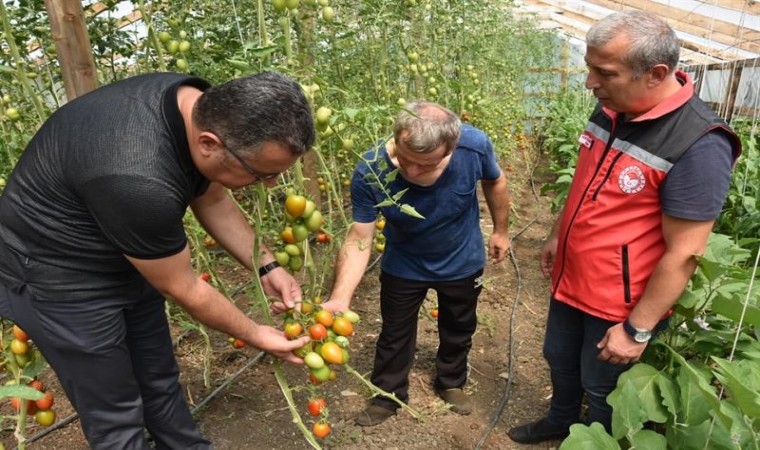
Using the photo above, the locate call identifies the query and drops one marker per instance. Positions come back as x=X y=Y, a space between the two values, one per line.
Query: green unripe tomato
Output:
x=279 y=5
x=313 y=360
x=164 y=37
x=328 y=14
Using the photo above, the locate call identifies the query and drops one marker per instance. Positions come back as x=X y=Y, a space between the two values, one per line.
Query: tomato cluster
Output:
x=379 y=236
x=303 y=218
x=327 y=349
x=42 y=408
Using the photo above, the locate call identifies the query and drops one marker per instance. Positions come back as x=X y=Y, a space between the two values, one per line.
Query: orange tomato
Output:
x=324 y=317
x=342 y=326
x=20 y=334
x=321 y=429
x=332 y=353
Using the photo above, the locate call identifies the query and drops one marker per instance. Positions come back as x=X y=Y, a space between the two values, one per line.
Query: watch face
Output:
x=642 y=336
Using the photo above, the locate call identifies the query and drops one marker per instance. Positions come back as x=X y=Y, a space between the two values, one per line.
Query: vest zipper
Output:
x=607 y=176
x=626 y=275
x=580 y=203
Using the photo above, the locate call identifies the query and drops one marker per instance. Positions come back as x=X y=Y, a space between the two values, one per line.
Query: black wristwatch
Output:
x=265 y=269
x=640 y=335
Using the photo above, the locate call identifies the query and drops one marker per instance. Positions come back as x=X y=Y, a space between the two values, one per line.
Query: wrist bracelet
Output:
x=265 y=269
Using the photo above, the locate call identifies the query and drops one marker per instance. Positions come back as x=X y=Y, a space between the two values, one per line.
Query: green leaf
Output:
x=742 y=434
x=742 y=381
x=669 y=393
x=583 y=437
x=390 y=177
x=701 y=436
x=688 y=300
x=397 y=196
x=732 y=308
x=242 y=66
x=649 y=440
x=703 y=387
x=694 y=409
x=410 y=211
x=384 y=203
x=351 y=113
x=627 y=410
x=645 y=379
x=25 y=392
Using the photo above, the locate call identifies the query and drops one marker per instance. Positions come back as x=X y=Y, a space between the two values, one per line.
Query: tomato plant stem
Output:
x=279 y=374
x=377 y=391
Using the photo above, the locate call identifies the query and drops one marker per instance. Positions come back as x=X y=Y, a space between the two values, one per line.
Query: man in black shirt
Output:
x=92 y=239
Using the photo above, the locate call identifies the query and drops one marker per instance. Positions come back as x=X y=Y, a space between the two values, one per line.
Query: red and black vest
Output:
x=610 y=235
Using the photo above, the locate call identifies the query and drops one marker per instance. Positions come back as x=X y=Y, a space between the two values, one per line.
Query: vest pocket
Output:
x=626 y=275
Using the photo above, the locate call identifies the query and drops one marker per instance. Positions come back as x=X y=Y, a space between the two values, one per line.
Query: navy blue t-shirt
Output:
x=448 y=243
x=697 y=184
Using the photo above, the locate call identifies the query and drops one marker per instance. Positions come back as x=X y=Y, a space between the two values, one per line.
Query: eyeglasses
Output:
x=249 y=169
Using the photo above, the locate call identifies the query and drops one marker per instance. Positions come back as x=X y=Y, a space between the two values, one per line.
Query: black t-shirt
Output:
x=108 y=174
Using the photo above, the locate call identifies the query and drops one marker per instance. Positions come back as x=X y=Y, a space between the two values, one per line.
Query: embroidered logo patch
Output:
x=478 y=282
x=585 y=140
x=631 y=180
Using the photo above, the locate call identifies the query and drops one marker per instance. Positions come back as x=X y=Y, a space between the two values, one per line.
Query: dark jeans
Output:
x=400 y=301
x=113 y=357
x=570 y=349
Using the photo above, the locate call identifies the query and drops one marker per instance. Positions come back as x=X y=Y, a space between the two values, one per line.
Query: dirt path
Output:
x=251 y=413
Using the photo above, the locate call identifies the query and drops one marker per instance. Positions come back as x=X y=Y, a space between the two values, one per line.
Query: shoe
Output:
x=459 y=401
x=539 y=431
x=373 y=415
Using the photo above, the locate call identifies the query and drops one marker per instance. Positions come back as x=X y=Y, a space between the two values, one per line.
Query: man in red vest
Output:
x=653 y=170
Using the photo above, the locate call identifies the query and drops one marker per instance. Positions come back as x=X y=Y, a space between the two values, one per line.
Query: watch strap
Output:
x=266 y=268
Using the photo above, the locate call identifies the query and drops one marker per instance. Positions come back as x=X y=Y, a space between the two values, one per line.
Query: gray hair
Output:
x=247 y=112
x=429 y=126
x=652 y=40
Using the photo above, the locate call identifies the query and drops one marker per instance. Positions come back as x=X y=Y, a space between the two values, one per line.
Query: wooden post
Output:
x=72 y=45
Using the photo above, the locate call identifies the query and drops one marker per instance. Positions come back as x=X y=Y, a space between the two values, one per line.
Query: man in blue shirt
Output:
x=436 y=162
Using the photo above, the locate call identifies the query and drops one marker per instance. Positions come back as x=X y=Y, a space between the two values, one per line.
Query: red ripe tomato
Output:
x=434 y=313
x=45 y=418
x=238 y=343
x=293 y=330
x=332 y=353
x=324 y=317
x=342 y=326
x=37 y=384
x=16 y=403
x=321 y=429
x=323 y=238
x=45 y=402
x=316 y=406
x=20 y=334
x=205 y=276
x=318 y=332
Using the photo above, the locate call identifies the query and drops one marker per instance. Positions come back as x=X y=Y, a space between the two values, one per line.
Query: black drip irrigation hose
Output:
x=511 y=360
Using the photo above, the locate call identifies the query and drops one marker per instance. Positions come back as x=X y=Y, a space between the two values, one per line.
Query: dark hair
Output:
x=652 y=41
x=249 y=111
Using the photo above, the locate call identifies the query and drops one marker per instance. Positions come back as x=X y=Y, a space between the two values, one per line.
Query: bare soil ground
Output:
x=250 y=412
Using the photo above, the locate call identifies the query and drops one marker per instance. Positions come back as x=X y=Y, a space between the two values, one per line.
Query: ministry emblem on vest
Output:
x=631 y=180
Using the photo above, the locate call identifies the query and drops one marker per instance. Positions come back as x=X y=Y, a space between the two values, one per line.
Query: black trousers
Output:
x=400 y=302
x=112 y=355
